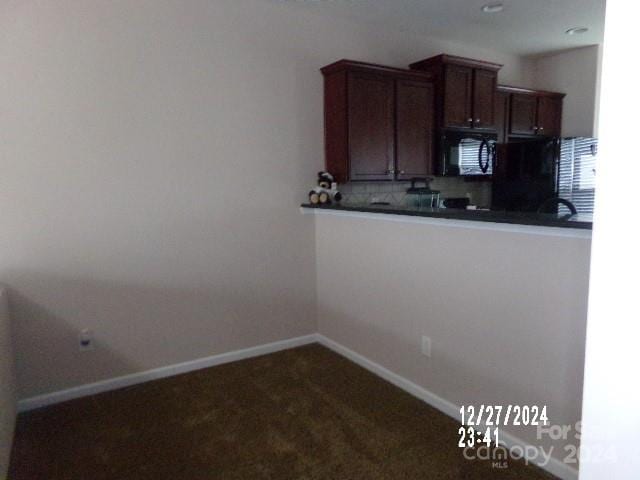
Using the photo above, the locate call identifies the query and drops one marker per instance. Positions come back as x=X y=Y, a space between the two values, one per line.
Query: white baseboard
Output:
x=426 y=396
x=162 y=372
x=554 y=466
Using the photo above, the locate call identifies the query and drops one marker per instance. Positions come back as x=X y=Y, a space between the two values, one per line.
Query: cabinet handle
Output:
x=470 y=120
x=390 y=171
x=541 y=129
x=401 y=172
x=477 y=120
x=534 y=128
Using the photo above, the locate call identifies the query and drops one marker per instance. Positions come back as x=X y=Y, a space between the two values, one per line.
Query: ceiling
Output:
x=524 y=27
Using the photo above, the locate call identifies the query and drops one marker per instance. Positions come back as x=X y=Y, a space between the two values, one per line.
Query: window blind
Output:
x=577 y=173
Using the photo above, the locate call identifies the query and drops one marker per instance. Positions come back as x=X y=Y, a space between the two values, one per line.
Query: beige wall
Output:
x=153 y=154
x=7 y=393
x=575 y=72
x=505 y=311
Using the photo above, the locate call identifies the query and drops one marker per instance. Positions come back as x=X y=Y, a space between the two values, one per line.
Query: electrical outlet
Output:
x=86 y=340
x=426 y=346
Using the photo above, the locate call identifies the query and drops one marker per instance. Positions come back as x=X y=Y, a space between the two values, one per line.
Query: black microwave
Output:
x=467 y=154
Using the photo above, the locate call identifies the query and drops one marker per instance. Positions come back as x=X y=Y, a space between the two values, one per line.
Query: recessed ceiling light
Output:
x=493 y=8
x=577 y=30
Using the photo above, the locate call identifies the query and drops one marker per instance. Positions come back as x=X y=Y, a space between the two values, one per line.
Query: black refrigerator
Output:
x=525 y=174
x=529 y=171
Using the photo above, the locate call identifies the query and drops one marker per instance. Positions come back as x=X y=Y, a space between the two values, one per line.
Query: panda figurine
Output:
x=326 y=192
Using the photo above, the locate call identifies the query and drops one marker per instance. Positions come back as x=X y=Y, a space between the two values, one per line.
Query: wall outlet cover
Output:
x=85 y=340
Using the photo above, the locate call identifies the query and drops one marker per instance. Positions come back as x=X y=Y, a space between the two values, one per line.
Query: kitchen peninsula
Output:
x=579 y=221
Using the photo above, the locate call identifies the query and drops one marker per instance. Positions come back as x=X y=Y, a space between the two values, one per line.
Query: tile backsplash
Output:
x=479 y=192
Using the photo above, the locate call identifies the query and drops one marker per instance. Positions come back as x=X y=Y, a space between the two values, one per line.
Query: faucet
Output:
x=550 y=206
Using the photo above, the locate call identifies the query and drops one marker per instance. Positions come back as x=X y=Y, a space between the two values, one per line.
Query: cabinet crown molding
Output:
x=454 y=60
x=530 y=91
x=353 y=65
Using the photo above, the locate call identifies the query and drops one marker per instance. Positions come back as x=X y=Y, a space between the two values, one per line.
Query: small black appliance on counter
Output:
x=422 y=197
x=459 y=203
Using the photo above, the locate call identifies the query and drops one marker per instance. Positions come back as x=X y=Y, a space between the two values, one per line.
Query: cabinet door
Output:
x=458 y=92
x=371 y=132
x=549 y=116
x=484 y=98
x=414 y=129
x=523 y=114
x=502 y=115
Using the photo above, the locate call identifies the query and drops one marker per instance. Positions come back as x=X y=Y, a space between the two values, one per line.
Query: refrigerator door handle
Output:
x=494 y=156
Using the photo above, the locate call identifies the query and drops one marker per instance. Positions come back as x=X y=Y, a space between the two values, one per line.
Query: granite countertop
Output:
x=582 y=221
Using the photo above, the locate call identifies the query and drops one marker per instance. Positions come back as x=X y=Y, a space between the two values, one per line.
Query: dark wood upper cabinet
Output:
x=484 y=96
x=534 y=112
x=458 y=96
x=414 y=129
x=381 y=122
x=465 y=91
x=523 y=114
x=378 y=122
x=371 y=126
x=550 y=115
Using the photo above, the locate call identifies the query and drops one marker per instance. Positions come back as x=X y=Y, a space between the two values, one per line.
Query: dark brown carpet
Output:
x=305 y=413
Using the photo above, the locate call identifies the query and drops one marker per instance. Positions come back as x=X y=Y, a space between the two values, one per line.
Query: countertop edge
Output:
x=435 y=219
